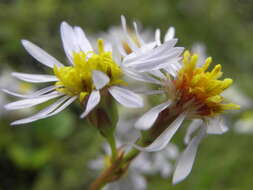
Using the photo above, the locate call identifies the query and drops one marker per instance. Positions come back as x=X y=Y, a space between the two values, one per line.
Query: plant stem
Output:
x=112 y=143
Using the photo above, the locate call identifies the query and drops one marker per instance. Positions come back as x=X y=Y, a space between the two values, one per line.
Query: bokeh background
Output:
x=54 y=153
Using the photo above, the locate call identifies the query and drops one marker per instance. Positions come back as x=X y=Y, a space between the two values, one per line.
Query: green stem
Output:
x=112 y=143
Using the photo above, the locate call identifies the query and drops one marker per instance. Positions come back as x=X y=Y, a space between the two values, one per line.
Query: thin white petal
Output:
x=27 y=103
x=41 y=114
x=139 y=38
x=83 y=42
x=152 y=53
x=195 y=124
x=149 y=118
x=126 y=97
x=158 y=37
x=32 y=95
x=40 y=55
x=68 y=40
x=216 y=126
x=93 y=101
x=34 y=78
x=186 y=160
x=141 y=77
x=170 y=34
x=164 y=139
x=100 y=79
x=63 y=106
x=156 y=62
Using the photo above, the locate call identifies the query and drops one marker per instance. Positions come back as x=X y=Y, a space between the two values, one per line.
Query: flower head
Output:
x=88 y=74
x=193 y=93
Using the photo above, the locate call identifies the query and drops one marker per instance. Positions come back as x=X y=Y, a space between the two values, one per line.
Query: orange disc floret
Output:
x=201 y=87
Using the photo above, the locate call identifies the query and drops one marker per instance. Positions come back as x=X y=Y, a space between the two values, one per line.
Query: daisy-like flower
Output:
x=194 y=93
x=88 y=75
x=133 y=45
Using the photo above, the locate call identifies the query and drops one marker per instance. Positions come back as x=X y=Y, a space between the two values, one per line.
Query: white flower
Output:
x=193 y=93
x=85 y=78
x=165 y=57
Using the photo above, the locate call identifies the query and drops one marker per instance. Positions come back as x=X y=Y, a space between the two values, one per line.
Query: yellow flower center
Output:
x=77 y=79
x=201 y=87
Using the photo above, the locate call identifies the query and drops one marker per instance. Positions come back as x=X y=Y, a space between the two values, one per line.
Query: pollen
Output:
x=76 y=80
x=201 y=87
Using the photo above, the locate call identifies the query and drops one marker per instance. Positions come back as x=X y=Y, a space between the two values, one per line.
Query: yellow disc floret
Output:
x=203 y=88
x=77 y=79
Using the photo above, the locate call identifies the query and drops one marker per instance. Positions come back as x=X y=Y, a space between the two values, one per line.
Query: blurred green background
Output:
x=53 y=153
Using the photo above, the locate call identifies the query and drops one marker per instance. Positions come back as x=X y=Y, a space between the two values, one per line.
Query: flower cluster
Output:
x=98 y=77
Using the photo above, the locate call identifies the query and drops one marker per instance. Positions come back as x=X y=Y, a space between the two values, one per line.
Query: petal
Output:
x=40 y=55
x=34 y=78
x=100 y=79
x=139 y=38
x=216 y=126
x=164 y=139
x=195 y=124
x=152 y=53
x=63 y=106
x=170 y=34
x=157 y=62
x=126 y=97
x=149 y=118
x=141 y=77
x=186 y=160
x=93 y=101
x=32 y=95
x=30 y=102
x=158 y=37
x=68 y=40
x=83 y=42
x=41 y=114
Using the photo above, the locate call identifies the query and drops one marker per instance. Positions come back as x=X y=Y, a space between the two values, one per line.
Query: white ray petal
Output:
x=149 y=118
x=40 y=55
x=141 y=77
x=153 y=52
x=32 y=95
x=126 y=97
x=27 y=103
x=155 y=63
x=186 y=160
x=35 y=78
x=164 y=139
x=216 y=126
x=139 y=38
x=68 y=40
x=93 y=101
x=83 y=41
x=41 y=114
x=170 y=34
x=158 y=37
x=100 y=79
x=63 y=106
x=195 y=124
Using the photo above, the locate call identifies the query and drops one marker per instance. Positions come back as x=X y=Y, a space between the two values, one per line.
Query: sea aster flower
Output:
x=88 y=75
x=134 y=45
x=194 y=93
